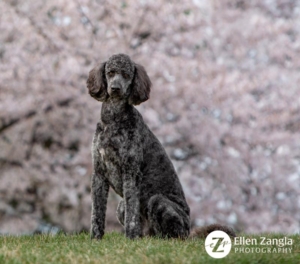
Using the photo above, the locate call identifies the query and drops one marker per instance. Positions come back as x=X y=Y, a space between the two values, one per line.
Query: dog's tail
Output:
x=203 y=232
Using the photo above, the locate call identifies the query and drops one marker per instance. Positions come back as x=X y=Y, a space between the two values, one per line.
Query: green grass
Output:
x=115 y=248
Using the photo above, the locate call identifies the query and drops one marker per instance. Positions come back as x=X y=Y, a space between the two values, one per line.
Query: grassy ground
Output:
x=115 y=248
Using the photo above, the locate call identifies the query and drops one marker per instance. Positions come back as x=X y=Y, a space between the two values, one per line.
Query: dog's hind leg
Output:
x=167 y=219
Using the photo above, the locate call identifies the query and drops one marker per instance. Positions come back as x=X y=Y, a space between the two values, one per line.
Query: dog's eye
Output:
x=125 y=75
x=111 y=74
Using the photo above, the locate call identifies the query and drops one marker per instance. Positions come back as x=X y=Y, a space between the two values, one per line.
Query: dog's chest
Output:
x=110 y=152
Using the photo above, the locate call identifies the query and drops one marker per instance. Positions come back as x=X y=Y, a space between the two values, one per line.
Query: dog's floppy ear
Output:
x=96 y=83
x=141 y=85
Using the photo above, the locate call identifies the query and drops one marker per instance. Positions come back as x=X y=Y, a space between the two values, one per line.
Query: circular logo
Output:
x=218 y=244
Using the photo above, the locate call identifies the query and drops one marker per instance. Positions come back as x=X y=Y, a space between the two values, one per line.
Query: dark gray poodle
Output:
x=128 y=157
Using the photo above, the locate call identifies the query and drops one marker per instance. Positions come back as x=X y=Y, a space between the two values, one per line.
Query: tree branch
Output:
x=5 y=124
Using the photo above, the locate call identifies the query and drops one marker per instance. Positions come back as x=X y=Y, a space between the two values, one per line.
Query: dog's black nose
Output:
x=115 y=88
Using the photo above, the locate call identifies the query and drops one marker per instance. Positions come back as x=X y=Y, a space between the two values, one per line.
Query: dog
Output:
x=128 y=157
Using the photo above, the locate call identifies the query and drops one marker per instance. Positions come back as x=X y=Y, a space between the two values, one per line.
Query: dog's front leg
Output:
x=100 y=187
x=131 y=191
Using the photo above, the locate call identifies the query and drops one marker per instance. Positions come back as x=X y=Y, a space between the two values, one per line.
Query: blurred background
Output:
x=224 y=103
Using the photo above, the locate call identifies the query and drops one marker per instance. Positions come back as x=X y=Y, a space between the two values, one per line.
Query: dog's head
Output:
x=119 y=78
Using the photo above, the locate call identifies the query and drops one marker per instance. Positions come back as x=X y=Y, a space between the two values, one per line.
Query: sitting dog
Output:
x=128 y=157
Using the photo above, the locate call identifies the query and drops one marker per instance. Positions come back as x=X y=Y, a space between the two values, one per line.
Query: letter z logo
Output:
x=216 y=247
x=218 y=244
